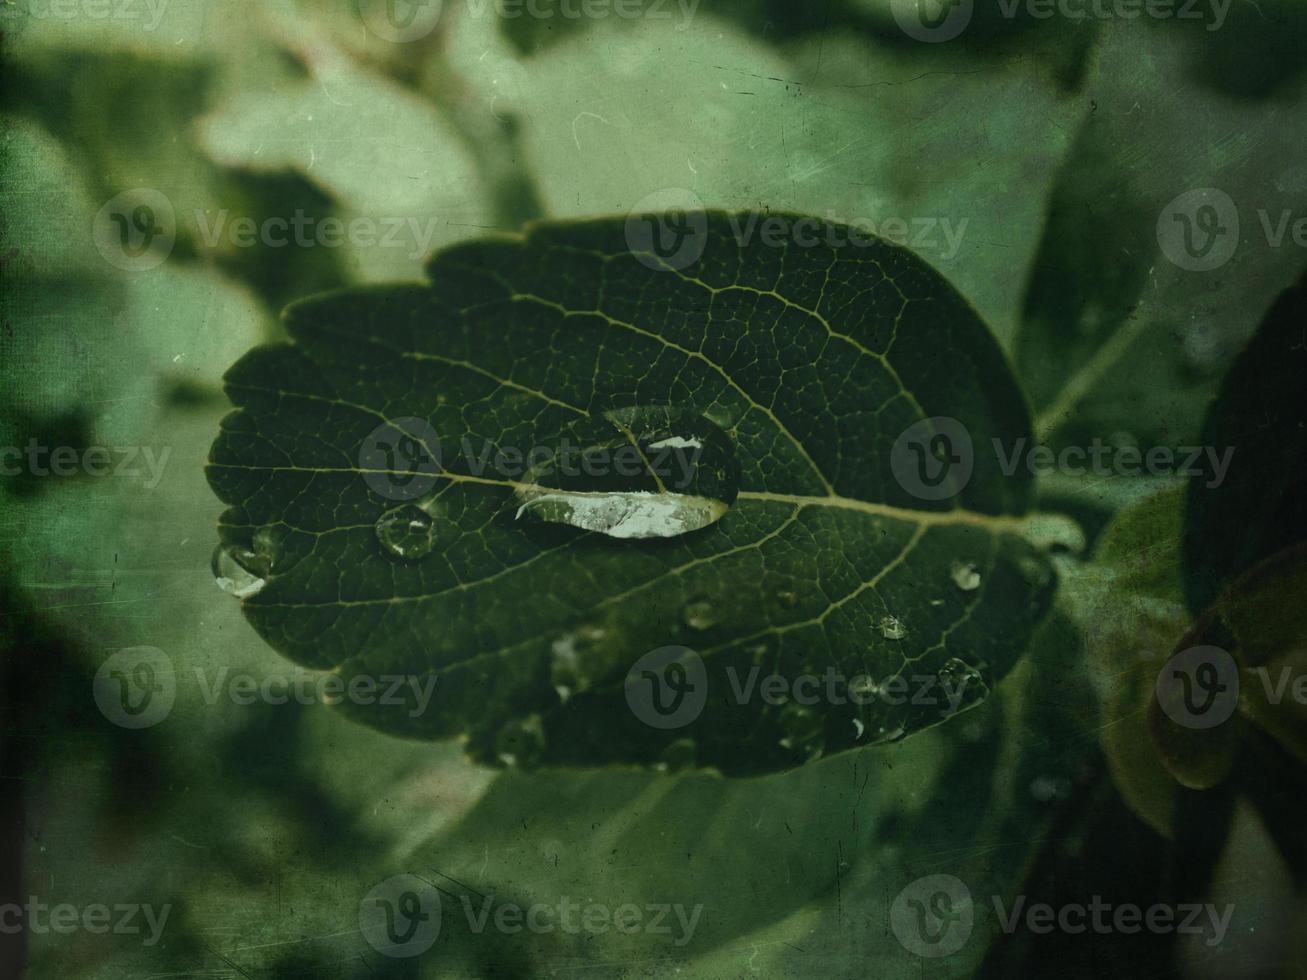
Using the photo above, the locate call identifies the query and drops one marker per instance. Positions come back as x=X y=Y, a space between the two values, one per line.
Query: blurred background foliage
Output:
x=1058 y=141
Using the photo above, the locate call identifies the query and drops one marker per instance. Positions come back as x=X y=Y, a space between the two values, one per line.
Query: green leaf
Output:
x=813 y=362
x=1117 y=336
x=1129 y=600
x=1260 y=415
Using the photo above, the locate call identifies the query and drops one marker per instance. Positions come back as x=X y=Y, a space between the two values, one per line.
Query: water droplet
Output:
x=891 y=733
x=863 y=688
x=962 y=684
x=643 y=472
x=677 y=756
x=627 y=515
x=568 y=659
x=229 y=571
x=965 y=576
x=521 y=743
x=859 y=729
x=803 y=731
x=1045 y=789
x=700 y=615
x=788 y=599
x=892 y=628
x=406 y=532
x=265 y=549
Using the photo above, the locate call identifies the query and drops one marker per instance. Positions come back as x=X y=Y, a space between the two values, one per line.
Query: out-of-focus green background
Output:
x=1054 y=143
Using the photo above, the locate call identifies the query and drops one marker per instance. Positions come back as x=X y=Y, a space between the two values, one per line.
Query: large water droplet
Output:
x=231 y=574
x=406 y=532
x=892 y=628
x=700 y=615
x=965 y=576
x=627 y=515
x=638 y=473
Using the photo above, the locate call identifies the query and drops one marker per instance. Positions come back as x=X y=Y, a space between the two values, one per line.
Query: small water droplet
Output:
x=965 y=576
x=406 y=532
x=521 y=743
x=788 y=599
x=863 y=688
x=963 y=684
x=231 y=575
x=700 y=615
x=803 y=731
x=568 y=670
x=859 y=729
x=1045 y=789
x=892 y=628
x=677 y=756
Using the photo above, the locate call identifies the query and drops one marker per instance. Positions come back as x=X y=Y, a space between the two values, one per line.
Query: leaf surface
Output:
x=811 y=361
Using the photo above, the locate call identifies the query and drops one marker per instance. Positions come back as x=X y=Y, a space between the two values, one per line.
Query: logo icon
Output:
x=933 y=916
x=933 y=459
x=1199 y=687
x=1199 y=230
x=667 y=229
x=135 y=688
x=668 y=687
x=932 y=21
x=401 y=916
x=136 y=230
x=400 y=459
x=400 y=21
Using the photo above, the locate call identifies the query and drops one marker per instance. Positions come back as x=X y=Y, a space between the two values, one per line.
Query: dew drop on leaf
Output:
x=231 y=574
x=803 y=731
x=651 y=472
x=678 y=756
x=963 y=681
x=892 y=628
x=406 y=532
x=700 y=615
x=965 y=576
x=521 y=743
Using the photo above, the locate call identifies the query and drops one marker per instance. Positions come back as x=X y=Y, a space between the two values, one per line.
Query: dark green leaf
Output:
x=1261 y=506
x=809 y=362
